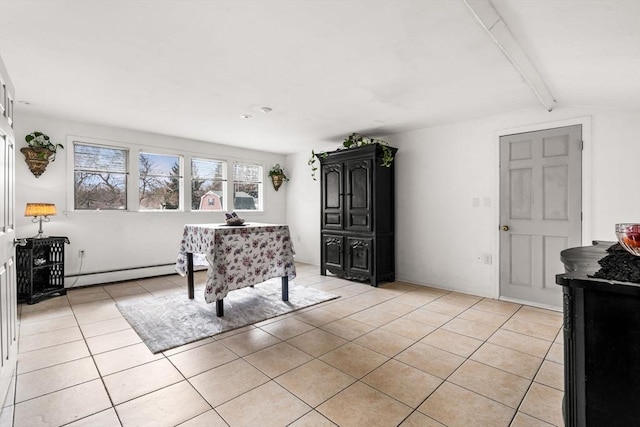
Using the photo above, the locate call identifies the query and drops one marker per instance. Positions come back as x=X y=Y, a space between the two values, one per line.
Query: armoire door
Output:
x=358 y=194
x=359 y=257
x=333 y=252
x=332 y=197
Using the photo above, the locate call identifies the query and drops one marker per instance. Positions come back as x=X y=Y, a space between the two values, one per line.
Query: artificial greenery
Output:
x=40 y=140
x=312 y=162
x=352 y=141
x=278 y=170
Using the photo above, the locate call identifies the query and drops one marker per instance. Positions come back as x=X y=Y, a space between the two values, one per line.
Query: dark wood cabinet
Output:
x=601 y=343
x=358 y=215
x=40 y=268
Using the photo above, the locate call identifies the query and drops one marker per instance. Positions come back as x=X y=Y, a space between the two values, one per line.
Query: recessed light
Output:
x=24 y=102
x=246 y=116
x=266 y=110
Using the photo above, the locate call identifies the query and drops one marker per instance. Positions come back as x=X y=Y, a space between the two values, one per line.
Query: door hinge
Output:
x=581 y=145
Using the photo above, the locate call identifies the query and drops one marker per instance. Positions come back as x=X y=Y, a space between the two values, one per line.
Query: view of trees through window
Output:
x=208 y=182
x=101 y=180
x=247 y=186
x=160 y=181
x=100 y=177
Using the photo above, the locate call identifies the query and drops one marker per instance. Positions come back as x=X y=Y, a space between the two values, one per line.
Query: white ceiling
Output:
x=326 y=68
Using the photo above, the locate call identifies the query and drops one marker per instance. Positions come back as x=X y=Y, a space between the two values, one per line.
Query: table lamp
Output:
x=40 y=213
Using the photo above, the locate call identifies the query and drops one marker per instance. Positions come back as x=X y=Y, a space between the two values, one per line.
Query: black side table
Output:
x=601 y=342
x=40 y=268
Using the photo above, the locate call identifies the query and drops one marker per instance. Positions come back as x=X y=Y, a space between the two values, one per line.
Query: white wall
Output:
x=440 y=170
x=120 y=240
x=303 y=205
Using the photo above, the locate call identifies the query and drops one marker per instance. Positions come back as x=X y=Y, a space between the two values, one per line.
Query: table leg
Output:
x=220 y=307
x=285 y=288
x=190 y=274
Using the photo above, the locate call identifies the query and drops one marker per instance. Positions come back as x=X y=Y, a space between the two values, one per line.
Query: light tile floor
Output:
x=395 y=355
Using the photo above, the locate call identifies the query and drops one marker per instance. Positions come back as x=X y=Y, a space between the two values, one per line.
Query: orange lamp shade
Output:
x=40 y=209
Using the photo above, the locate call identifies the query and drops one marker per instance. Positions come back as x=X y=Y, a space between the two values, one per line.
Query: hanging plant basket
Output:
x=277 y=181
x=39 y=152
x=37 y=159
x=277 y=176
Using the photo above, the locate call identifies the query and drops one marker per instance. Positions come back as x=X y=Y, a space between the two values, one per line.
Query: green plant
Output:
x=278 y=170
x=352 y=141
x=312 y=162
x=40 y=140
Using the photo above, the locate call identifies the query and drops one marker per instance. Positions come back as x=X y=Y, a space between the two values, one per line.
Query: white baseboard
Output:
x=101 y=278
x=531 y=304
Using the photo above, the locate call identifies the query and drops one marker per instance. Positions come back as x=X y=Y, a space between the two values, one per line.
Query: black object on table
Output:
x=40 y=268
x=601 y=340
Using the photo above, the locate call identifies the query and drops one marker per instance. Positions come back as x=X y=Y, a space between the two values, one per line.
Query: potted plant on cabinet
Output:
x=277 y=176
x=352 y=141
x=39 y=152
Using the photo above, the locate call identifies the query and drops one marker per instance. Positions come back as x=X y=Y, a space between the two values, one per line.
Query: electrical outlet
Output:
x=487 y=259
x=81 y=253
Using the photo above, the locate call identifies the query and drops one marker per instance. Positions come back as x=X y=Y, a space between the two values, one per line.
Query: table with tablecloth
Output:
x=236 y=256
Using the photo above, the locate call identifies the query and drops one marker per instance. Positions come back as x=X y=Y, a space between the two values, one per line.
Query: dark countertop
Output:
x=582 y=262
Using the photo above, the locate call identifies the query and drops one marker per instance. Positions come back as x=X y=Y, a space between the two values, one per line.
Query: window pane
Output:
x=100 y=190
x=100 y=177
x=95 y=158
x=158 y=164
x=204 y=168
x=207 y=184
x=247 y=172
x=160 y=181
x=159 y=193
x=247 y=186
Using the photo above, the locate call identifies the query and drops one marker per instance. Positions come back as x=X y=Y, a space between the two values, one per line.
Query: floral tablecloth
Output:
x=238 y=256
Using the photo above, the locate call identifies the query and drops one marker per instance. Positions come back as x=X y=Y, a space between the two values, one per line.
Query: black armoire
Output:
x=358 y=214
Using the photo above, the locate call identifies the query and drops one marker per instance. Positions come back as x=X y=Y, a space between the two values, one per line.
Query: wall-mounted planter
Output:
x=277 y=176
x=277 y=181
x=37 y=159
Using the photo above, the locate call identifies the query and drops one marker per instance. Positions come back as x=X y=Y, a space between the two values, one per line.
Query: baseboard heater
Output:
x=82 y=279
x=118 y=270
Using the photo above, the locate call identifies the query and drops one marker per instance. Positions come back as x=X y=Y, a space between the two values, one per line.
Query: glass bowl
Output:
x=629 y=237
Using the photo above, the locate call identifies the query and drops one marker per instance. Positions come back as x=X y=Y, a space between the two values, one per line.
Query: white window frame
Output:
x=160 y=152
x=71 y=172
x=225 y=179
x=261 y=183
x=133 y=177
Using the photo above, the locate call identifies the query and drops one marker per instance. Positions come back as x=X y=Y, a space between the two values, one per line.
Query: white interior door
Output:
x=8 y=291
x=540 y=211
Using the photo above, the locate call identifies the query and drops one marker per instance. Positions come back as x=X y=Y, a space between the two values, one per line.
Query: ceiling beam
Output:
x=497 y=29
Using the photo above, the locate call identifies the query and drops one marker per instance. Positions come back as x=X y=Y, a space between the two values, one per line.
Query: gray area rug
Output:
x=173 y=320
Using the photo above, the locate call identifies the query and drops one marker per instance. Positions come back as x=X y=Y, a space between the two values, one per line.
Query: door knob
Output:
x=505 y=228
